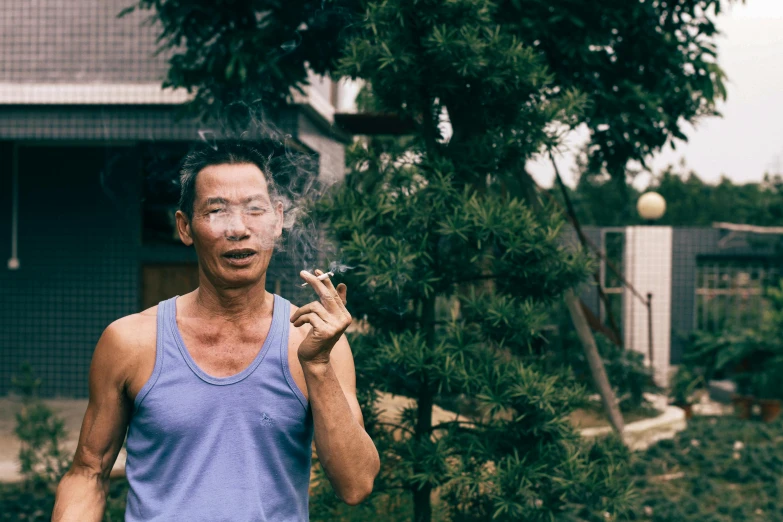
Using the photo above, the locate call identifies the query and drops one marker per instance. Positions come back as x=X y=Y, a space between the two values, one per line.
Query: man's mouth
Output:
x=239 y=254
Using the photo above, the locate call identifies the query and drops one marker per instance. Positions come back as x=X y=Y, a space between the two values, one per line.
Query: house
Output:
x=86 y=133
x=693 y=278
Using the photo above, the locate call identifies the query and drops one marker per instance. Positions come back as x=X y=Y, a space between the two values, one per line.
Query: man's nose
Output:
x=237 y=227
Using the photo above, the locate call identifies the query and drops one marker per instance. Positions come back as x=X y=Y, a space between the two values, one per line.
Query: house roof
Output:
x=77 y=42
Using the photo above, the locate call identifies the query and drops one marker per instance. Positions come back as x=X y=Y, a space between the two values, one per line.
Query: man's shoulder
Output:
x=133 y=331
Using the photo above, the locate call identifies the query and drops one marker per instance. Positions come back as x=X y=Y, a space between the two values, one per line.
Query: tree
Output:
x=457 y=271
x=689 y=200
x=646 y=68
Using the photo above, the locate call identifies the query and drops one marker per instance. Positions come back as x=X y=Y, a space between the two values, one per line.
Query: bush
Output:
x=625 y=369
x=718 y=469
x=41 y=433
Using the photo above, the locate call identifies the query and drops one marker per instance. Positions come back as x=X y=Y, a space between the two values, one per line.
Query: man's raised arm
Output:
x=81 y=494
x=344 y=448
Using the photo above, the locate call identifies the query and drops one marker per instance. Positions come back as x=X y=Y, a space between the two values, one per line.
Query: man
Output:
x=222 y=390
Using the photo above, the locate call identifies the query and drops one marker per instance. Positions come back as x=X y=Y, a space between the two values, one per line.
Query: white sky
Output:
x=748 y=140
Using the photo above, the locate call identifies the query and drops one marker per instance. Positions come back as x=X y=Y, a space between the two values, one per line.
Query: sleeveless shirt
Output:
x=204 y=448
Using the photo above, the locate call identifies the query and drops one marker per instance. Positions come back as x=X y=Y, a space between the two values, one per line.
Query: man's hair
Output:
x=219 y=153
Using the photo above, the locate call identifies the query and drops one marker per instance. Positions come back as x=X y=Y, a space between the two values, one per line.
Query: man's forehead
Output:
x=242 y=182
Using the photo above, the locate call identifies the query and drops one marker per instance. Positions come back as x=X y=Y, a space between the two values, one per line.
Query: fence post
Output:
x=649 y=330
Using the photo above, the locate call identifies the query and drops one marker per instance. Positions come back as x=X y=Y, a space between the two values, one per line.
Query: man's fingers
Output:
x=342 y=291
x=312 y=318
x=335 y=292
x=312 y=280
x=324 y=288
x=310 y=308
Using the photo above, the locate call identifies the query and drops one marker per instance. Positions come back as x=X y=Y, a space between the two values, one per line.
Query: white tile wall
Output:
x=648 y=268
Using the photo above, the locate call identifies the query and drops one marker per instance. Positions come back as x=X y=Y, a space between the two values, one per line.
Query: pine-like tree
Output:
x=456 y=272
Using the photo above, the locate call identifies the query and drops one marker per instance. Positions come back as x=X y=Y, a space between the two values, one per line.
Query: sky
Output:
x=748 y=140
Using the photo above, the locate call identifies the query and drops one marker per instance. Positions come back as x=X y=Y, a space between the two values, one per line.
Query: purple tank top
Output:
x=233 y=449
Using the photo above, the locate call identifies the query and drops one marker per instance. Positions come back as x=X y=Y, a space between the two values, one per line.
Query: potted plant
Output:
x=685 y=382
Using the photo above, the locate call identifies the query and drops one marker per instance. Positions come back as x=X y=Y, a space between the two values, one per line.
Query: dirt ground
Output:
x=72 y=412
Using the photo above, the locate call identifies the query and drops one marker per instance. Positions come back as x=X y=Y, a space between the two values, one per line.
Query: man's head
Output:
x=230 y=212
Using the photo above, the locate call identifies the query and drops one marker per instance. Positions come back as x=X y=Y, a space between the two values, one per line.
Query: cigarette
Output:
x=321 y=277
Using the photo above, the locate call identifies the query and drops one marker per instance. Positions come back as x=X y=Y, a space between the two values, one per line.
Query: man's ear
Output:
x=183 y=227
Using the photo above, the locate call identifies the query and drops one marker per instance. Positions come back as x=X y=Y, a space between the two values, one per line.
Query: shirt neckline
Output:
x=231 y=379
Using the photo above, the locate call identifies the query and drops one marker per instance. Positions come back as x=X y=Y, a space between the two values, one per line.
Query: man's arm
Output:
x=81 y=494
x=344 y=448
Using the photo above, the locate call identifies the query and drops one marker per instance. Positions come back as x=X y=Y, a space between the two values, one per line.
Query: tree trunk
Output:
x=595 y=362
x=422 y=505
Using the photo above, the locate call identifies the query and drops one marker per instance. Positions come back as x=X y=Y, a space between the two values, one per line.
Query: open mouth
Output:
x=239 y=254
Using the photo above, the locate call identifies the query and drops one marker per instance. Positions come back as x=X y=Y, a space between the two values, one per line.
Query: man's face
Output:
x=234 y=225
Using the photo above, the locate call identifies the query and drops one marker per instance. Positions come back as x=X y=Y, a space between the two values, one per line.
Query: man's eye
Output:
x=214 y=210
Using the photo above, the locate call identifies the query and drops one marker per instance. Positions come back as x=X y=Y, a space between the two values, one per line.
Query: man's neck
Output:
x=234 y=305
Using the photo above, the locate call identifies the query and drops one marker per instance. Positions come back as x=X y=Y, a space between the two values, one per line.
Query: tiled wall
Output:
x=78 y=271
x=81 y=256
x=77 y=41
x=648 y=267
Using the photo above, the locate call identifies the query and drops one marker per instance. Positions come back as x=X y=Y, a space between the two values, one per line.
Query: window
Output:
x=612 y=245
x=730 y=292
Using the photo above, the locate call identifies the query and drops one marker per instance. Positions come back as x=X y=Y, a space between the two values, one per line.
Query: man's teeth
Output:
x=240 y=256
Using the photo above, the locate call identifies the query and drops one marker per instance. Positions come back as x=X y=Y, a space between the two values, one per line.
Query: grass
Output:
x=719 y=469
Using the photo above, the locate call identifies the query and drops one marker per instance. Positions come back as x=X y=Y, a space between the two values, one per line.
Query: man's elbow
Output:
x=357 y=494
x=362 y=489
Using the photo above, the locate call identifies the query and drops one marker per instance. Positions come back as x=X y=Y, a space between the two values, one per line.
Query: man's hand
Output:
x=328 y=318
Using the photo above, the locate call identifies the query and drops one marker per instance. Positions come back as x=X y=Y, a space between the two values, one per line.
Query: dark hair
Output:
x=218 y=153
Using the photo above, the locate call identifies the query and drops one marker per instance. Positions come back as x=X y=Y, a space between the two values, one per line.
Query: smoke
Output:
x=339 y=268
x=295 y=180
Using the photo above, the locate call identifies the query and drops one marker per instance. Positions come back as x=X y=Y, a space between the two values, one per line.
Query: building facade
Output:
x=88 y=144
x=693 y=278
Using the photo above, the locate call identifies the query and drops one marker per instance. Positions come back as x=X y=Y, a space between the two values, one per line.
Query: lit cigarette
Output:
x=321 y=277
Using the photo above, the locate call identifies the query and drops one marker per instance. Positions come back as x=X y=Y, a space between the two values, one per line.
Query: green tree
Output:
x=456 y=272
x=647 y=68
x=689 y=200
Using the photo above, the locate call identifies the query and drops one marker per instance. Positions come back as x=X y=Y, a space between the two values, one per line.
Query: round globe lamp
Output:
x=651 y=206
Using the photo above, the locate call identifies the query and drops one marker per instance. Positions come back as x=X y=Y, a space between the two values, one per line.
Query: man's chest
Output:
x=221 y=355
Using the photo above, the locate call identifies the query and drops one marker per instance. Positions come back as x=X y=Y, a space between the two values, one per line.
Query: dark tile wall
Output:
x=78 y=271
x=81 y=257
x=687 y=244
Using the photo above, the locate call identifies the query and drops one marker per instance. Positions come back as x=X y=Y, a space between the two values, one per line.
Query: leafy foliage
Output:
x=41 y=433
x=717 y=470
x=689 y=200
x=625 y=369
x=245 y=50
x=43 y=461
x=646 y=68
x=456 y=273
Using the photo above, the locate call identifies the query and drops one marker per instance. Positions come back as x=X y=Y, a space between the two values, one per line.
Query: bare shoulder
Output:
x=133 y=330
x=127 y=345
